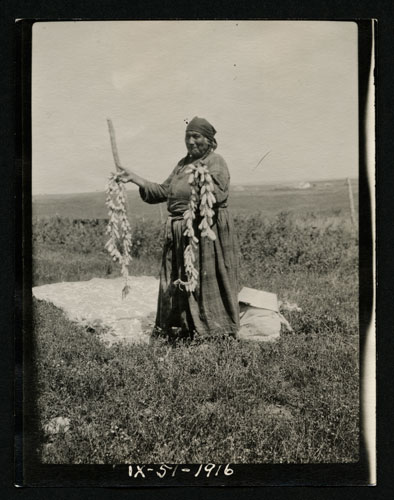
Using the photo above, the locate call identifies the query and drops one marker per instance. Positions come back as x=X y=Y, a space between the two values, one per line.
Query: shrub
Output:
x=284 y=243
x=280 y=244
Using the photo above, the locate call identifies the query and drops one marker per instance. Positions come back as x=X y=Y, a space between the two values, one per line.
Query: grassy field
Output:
x=223 y=401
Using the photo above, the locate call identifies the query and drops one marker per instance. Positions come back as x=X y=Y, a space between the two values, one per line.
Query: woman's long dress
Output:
x=213 y=307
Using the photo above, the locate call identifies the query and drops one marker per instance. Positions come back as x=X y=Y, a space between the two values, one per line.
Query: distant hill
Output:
x=321 y=197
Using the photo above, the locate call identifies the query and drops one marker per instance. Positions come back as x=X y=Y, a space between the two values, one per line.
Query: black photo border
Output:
x=29 y=471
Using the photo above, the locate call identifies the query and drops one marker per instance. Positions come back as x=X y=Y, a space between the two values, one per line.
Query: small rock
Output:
x=56 y=425
x=289 y=306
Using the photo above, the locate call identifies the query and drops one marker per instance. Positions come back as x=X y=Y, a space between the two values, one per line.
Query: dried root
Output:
x=119 y=243
x=203 y=199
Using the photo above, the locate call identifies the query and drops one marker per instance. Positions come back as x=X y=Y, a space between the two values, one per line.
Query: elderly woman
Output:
x=212 y=308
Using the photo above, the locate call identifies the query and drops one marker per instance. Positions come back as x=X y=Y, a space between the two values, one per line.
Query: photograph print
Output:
x=195 y=247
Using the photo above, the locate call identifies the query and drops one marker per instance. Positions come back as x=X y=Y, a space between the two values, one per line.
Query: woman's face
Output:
x=196 y=143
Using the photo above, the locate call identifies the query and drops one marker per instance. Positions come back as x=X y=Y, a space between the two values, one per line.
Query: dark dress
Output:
x=213 y=307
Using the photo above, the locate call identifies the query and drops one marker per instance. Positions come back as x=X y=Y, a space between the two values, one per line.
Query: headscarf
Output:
x=202 y=126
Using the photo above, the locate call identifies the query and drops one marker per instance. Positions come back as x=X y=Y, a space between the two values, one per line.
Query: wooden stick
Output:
x=113 y=143
x=115 y=152
x=352 y=212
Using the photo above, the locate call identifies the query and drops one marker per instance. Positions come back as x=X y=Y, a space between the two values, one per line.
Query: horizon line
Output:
x=246 y=184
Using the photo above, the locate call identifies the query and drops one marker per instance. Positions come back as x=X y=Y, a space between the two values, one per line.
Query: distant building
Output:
x=303 y=185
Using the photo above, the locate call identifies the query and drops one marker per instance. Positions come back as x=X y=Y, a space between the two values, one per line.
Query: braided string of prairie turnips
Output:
x=119 y=243
x=201 y=197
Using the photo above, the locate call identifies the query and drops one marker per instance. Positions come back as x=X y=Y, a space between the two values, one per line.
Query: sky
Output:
x=286 y=88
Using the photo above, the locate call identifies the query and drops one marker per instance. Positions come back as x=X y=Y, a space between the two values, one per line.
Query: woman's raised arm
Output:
x=150 y=192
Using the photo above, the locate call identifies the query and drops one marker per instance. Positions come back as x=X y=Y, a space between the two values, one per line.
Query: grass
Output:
x=220 y=402
x=225 y=401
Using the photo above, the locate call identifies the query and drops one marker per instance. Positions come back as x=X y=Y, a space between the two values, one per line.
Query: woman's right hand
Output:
x=124 y=174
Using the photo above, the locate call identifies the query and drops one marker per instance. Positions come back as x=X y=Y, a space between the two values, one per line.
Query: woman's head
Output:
x=200 y=137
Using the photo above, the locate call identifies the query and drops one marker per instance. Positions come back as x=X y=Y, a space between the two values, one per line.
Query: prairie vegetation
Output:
x=223 y=401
